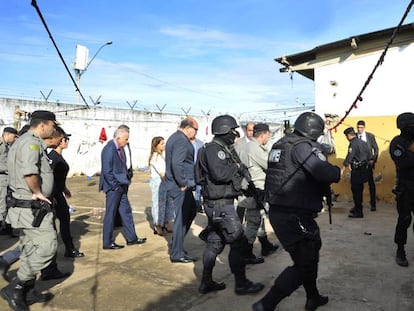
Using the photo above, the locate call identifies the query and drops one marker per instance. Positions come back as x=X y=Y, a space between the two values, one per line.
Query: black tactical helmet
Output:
x=310 y=125
x=223 y=124
x=405 y=119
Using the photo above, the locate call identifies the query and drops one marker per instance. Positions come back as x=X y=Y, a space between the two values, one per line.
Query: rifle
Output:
x=251 y=188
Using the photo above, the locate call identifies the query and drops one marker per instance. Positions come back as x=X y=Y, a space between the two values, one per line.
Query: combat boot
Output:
x=250 y=258
x=4 y=268
x=401 y=258
x=15 y=294
x=207 y=284
x=267 y=247
x=33 y=296
x=315 y=302
x=245 y=287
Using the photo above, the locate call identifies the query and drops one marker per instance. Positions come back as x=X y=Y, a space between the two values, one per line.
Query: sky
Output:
x=182 y=56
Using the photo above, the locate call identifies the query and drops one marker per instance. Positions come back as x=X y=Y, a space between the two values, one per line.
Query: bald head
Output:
x=189 y=126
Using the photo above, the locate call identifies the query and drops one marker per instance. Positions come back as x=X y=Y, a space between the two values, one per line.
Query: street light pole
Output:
x=79 y=72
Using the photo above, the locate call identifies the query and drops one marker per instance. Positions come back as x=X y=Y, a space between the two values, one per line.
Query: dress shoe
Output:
x=212 y=286
x=401 y=258
x=114 y=246
x=313 y=303
x=249 y=288
x=74 y=253
x=373 y=208
x=185 y=259
x=54 y=275
x=4 y=268
x=137 y=241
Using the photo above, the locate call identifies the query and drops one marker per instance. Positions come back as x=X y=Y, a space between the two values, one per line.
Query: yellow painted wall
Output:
x=384 y=129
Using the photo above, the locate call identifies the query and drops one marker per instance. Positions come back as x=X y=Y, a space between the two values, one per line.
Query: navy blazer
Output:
x=179 y=161
x=113 y=171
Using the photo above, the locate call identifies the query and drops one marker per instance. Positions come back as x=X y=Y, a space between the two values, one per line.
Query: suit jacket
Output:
x=372 y=145
x=179 y=161
x=114 y=171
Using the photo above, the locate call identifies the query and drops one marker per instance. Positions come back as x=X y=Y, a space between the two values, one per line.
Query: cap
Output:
x=10 y=130
x=361 y=122
x=260 y=127
x=62 y=131
x=349 y=130
x=44 y=115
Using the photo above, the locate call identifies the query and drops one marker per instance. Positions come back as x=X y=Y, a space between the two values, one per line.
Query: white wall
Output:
x=390 y=92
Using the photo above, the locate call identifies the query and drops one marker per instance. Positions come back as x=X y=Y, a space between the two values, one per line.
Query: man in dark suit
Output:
x=179 y=159
x=114 y=181
x=373 y=147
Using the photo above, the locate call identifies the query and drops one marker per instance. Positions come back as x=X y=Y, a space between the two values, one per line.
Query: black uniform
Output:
x=298 y=176
x=404 y=162
x=358 y=158
x=220 y=181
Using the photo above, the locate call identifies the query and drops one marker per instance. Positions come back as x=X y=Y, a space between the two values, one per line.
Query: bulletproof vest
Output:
x=209 y=189
x=286 y=183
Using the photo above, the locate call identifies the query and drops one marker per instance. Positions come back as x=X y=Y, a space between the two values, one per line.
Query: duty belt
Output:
x=20 y=203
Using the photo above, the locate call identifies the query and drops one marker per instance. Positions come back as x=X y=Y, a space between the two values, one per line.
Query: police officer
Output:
x=31 y=183
x=402 y=153
x=357 y=160
x=298 y=175
x=6 y=140
x=220 y=178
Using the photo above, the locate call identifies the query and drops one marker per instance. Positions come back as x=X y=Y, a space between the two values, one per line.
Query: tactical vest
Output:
x=287 y=185
x=209 y=189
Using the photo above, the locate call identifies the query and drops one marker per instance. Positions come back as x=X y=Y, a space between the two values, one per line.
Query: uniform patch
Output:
x=398 y=152
x=34 y=147
x=320 y=155
x=274 y=155
x=221 y=155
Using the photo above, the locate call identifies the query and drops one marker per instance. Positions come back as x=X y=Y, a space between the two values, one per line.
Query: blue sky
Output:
x=211 y=56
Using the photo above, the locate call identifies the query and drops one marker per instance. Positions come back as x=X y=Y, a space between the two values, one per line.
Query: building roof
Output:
x=305 y=62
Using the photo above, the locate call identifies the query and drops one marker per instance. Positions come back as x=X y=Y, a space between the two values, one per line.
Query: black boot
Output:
x=250 y=258
x=401 y=258
x=207 y=284
x=315 y=302
x=267 y=247
x=33 y=296
x=270 y=300
x=15 y=294
x=245 y=287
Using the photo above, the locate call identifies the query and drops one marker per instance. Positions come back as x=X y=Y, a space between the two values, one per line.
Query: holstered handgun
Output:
x=39 y=211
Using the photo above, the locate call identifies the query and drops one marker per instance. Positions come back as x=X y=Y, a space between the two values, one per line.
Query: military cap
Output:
x=62 y=132
x=10 y=130
x=349 y=130
x=44 y=115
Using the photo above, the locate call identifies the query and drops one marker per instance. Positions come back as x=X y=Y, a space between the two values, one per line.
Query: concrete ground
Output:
x=357 y=266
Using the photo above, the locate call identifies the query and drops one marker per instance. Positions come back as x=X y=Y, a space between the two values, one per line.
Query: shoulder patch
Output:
x=398 y=152
x=274 y=155
x=34 y=147
x=221 y=155
x=320 y=155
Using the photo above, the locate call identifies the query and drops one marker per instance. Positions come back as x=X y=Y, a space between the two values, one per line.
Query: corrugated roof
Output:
x=351 y=43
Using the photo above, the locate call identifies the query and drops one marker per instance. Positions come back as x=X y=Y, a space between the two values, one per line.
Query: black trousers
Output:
x=371 y=185
x=299 y=235
x=358 y=178
x=405 y=206
x=62 y=213
x=216 y=241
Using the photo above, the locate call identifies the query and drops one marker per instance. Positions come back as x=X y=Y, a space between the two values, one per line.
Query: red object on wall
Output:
x=102 y=136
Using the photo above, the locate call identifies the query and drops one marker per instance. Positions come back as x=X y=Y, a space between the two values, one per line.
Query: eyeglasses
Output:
x=195 y=128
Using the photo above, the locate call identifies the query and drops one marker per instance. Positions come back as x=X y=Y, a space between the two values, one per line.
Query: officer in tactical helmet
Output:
x=402 y=153
x=297 y=178
x=220 y=175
